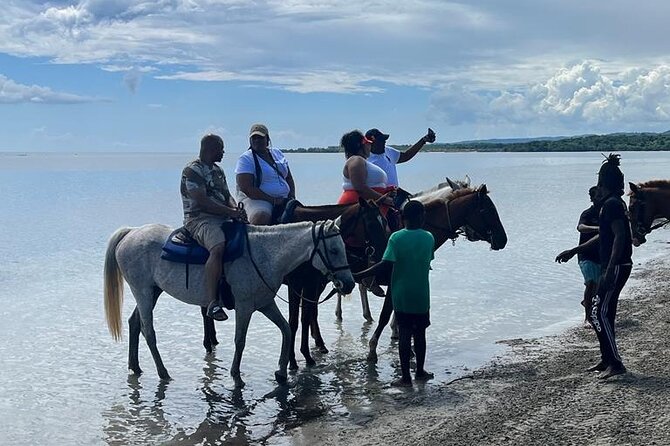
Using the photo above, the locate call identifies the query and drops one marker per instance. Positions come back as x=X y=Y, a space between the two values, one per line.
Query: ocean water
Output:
x=63 y=380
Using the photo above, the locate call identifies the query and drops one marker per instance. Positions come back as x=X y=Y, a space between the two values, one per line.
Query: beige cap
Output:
x=258 y=129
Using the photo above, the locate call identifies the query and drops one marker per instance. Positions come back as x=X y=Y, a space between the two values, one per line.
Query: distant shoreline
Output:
x=615 y=142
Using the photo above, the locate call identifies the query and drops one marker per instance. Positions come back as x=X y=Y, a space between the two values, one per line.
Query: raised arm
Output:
x=409 y=153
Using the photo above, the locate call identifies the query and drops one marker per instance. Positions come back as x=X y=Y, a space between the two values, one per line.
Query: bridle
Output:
x=318 y=237
x=468 y=229
x=365 y=252
x=637 y=224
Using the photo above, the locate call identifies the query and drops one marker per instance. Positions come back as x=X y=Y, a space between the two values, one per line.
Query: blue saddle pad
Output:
x=180 y=246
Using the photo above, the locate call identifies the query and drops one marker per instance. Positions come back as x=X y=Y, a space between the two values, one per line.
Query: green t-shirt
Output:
x=411 y=251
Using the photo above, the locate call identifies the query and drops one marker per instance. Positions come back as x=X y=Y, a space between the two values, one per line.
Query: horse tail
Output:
x=114 y=285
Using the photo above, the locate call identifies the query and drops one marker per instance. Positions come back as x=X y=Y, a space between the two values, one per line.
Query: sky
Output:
x=154 y=76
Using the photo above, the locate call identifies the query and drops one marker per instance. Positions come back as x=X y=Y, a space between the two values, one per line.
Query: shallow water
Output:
x=64 y=381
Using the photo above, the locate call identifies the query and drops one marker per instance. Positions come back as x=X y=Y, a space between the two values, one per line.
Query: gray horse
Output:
x=134 y=254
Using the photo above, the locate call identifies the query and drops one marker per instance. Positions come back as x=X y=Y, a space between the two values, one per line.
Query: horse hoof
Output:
x=239 y=383
x=292 y=365
x=165 y=378
x=215 y=341
x=323 y=349
x=310 y=362
x=135 y=371
x=372 y=357
x=281 y=379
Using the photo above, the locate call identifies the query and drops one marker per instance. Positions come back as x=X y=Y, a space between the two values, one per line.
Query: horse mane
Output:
x=661 y=184
x=443 y=195
x=439 y=192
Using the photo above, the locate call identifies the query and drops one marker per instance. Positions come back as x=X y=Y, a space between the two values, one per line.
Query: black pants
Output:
x=412 y=326
x=603 y=314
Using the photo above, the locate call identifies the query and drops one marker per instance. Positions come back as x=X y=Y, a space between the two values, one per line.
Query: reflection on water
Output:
x=344 y=388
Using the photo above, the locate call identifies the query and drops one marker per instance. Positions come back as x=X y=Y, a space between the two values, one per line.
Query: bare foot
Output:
x=402 y=382
x=612 y=371
x=424 y=376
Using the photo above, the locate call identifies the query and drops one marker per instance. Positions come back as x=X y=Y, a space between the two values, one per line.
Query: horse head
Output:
x=483 y=222
x=329 y=255
x=639 y=213
x=363 y=228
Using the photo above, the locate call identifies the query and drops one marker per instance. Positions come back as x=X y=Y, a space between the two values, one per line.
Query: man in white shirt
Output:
x=387 y=157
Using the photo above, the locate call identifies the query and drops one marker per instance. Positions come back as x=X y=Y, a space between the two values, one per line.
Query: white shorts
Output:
x=254 y=207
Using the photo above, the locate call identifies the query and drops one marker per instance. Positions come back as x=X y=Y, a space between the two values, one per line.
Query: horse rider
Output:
x=207 y=205
x=386 y=157
x=264 y=180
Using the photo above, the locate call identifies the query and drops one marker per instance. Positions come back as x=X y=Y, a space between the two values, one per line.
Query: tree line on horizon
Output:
x=615 y=142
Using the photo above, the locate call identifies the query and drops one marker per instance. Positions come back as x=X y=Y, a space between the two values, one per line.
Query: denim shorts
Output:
x=590 y=270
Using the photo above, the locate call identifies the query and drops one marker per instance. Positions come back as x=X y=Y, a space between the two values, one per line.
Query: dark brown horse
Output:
x=451 y=211
x=363 y=230
x=649 y=208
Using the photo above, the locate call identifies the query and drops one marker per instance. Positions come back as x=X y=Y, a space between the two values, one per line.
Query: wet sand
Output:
x=539 y=392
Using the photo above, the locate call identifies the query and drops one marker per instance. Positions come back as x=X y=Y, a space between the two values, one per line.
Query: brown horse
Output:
x=363 y=229
x=648 y=202
x=452 y=210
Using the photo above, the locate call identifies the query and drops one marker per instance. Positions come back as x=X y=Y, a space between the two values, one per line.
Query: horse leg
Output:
x=242 y=319
x=209 y=339
x=394 y=328
x=272 y=312
x=305 y=320
x=365 y=303
x=384 y=317
x=338 y=308
x=145 y=305
x=293 y=320
x=135 y=326
x=316 y=331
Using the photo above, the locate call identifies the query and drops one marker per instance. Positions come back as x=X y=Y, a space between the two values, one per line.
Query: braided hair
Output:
x=610 y=176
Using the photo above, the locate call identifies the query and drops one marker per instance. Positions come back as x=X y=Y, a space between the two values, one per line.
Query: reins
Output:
x=316 y=240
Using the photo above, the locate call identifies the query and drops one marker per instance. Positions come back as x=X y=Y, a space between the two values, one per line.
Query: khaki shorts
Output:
x=254 y=207
x=207 y=231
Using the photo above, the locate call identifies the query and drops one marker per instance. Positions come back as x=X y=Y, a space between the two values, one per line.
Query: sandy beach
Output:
x=539 y=393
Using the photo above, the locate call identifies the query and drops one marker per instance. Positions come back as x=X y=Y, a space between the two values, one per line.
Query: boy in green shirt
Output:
x=408 y=255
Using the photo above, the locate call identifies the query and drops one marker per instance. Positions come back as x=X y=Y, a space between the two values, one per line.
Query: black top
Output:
x=590 y=218
x=614 y=209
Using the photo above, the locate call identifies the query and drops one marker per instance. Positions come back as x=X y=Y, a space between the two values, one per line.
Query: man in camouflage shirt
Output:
x=207 y=205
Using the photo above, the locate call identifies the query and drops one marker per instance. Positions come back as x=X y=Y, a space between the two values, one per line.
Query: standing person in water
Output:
x=589 y=260
x=264 y=179
x=207 y=205
x=616 y=250
x=408 y=256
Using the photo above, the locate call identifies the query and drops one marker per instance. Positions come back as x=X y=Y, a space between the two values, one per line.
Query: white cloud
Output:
x=578 y=95
x=13 y=93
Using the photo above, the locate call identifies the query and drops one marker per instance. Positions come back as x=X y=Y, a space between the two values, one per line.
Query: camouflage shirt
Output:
x=195 y=175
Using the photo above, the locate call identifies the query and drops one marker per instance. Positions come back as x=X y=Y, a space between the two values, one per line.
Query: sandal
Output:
x=215 y=311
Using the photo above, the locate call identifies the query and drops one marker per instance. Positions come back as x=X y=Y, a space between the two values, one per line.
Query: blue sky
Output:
x=123 y=75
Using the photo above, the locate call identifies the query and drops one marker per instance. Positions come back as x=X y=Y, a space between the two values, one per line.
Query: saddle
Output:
x=181 y=247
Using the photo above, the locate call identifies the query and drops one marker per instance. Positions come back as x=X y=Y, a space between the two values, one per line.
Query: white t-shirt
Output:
x=273 y=183
x=376 y=177
x=387 y=162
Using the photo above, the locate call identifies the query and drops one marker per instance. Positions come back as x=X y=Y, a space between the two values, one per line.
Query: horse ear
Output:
x=483 y=190
x=467 y=180
x=633 y=187
x=452 y=185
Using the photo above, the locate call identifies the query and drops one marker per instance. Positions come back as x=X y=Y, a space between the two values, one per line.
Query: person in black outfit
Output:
x=616 y=250
x=589 y=260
